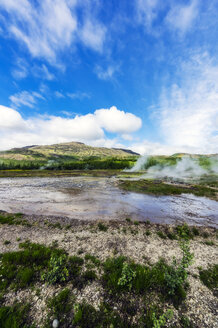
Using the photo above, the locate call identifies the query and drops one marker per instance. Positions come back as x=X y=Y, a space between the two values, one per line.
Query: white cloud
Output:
x=147 y=11
x=21 y=70
x=188 y=113
x=93 y=34
x=16 y=131
x=59 y=94
x=106 y=74
x=10 y=119
x=146 y=147
x=116 y=121
x=51 y=26
x=42 y=72
x=25 y=98
x=181 y=17
x=78 y=95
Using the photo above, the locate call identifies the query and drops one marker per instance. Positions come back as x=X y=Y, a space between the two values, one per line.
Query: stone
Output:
x=55 y=323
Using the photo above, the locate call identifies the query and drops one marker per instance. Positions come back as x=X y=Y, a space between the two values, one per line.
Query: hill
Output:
x=69 y=150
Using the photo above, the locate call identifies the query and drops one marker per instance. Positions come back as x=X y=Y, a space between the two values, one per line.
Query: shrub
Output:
x=171 y=235
x=89 y=275
x=186 y=322
x=25 y=276
x=195 y=231
x=209 y=277
x=161 y=321
x=93 y=259
x=20 y=269
x=184 y=231
x=86 y=316
x=161 y=235
x=209 y=243
x=14 y=316
x=176 y=274
x=61 y=303
x=127 y=276
x=102 y=227
x=6 y=242
x=57 y=271
x=205 y=234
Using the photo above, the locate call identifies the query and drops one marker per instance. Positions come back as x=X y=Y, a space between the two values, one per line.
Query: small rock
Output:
x=55 y=323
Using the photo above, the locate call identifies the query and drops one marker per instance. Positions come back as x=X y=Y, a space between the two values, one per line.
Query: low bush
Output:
x=61 y=303
x=15 y=316
x=57 y=271
x=102 y=227
x=161 y=235
x=86 y=316
x=168 y=280
x=209 y=277
x=37 y=262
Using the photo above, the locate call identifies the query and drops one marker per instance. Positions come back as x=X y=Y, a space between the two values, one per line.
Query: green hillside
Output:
x=63 y=151
x=67 y=156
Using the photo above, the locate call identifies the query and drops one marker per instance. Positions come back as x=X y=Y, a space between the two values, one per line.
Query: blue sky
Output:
x=140 y=74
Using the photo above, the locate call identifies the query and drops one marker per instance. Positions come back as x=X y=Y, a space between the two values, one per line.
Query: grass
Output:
x=37 y=263
x=133 y=295
x=161 y=235
x=159 y=188
x=167 y=280
x=93 y=259
x=209 y=277
x=15 y=316
x=13 y=219
x=6 y=242
x=209 y=243
x=102 y=227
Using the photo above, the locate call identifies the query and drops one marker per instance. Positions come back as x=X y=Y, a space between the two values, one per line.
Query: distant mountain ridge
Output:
x=64 y=150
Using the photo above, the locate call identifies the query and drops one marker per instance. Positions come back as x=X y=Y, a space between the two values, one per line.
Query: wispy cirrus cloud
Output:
x=51 y=26
x=25 y=98
x=175 y=15
x=181 y=16
x=78 y=95
x=188 y=111
x=106 y=73
x=21 y=69
x=73 y=95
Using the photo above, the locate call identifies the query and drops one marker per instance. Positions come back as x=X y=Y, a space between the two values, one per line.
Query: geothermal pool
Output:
x=99 y=198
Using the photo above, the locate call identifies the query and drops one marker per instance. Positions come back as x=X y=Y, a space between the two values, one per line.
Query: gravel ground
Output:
x=121 y=238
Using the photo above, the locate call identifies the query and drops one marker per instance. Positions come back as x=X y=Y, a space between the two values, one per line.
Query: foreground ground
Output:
x=114 y=274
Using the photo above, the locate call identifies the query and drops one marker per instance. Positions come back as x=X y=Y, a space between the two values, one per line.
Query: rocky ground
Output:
x=144 y=243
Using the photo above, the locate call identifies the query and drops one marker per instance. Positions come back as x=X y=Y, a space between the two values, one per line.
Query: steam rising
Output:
x=185 y=168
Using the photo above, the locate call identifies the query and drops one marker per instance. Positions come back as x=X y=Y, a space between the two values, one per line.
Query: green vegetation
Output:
x=102 y=227
x=186 y=322
x=161 y=235
x=209 y=243
x=57 y=271
x=209 y=277
x=86 y=164
x=6 y=242
x=162 y=320
x=37 y=263
x=160 y=188
x=13 y=219
x=133 y=295
x=15 y=316
x=168 y=280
